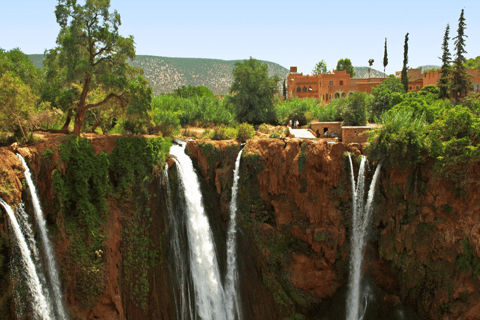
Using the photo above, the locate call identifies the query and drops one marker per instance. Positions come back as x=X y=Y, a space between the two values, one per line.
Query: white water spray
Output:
x=231 y=285
x=40 y=305
x=181 y=296
x=360 y=222
x=47 y=246
x=209 y=294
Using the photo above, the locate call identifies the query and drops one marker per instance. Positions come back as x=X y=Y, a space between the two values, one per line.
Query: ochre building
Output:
x=339 y=84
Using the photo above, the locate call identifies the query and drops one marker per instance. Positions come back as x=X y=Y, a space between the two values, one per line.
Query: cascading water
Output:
x=40 y=305
x=209 y=294
x=181 y=295
x=231 y=285
x=60 y=309
x=360 y=222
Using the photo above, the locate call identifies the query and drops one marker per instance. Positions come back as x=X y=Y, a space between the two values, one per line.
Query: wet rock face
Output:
x=425 y=242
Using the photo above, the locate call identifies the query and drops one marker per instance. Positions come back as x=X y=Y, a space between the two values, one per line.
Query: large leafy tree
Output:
x=16 y=102
x=405 y=63
x=346 y=64
x=460 y=79
x=91 y=53
x=320 y=68
x=386 y=95
x=253 y=92
x=444 y=81
x=21 y=65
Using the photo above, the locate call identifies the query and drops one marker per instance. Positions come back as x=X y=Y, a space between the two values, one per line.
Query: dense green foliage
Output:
x=83 y=182
x=405 y=63
x=444 y=82
x=346 y=64
x=92 y=55
x=192 y=91
x=253 y=92
x=460 y=79
x=355 y=112
x=245 y=132
x=386 y=95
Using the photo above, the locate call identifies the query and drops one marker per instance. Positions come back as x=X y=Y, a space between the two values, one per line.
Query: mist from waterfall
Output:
x=208 y=290
x=39 y=303
x=231 y=283
x=360 y=225
x=52 y=269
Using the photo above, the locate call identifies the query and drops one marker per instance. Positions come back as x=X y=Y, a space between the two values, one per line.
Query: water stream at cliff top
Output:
x=209 y=294
x=60 y=309
x=231 y=284
x=40 y=305
x=360 y=223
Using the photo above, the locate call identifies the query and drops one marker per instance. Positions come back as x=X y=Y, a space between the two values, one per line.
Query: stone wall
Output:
x=354 y=134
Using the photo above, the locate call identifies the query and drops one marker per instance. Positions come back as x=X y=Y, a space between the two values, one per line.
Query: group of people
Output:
x=294 y=122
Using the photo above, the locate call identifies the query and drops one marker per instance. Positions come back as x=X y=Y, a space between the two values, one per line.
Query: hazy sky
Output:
x=289 y=33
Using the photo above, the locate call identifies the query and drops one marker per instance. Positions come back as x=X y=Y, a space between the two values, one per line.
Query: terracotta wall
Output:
x=354 y=134
x=333 y=126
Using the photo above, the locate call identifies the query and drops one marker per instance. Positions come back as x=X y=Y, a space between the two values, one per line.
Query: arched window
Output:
x=299 y=89
x=343 y=94
x=337 y=95
x=310 y=89
x=304 y=89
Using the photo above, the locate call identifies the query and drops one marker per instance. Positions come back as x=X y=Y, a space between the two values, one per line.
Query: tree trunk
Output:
x=67 y=121
x=21 y=129
x=79 y=117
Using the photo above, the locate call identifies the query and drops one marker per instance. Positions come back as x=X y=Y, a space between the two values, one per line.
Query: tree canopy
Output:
x=92 y=54
x=320 y=68
x=253 y=92
x=346 y=64
x=460 y=79
x=193 y=91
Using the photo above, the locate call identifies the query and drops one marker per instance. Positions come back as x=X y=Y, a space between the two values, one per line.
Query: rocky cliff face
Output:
x=295 y=198
x=293 y=244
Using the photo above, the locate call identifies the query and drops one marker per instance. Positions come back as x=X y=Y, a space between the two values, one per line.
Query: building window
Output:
x=410 y=87
x=476 y=86
x=299 y=89
x=343 y=95
x=304 y=89
x=330 y=83
x=330 y=96
x=417 y=87
x=341 y=82
x=310 y=89
x=337 y=95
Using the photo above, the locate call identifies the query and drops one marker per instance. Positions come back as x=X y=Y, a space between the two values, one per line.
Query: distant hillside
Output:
x=362 y=73
x=166 y=74
x=430 y=66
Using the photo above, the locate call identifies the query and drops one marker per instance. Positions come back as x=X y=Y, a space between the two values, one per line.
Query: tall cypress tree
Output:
x=385 y=58
x=444 y=82
x=405 y=62
x=460 y=79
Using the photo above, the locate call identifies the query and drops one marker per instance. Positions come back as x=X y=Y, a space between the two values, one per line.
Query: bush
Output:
x=400 y=141
x=245 y=132
x=355 y=111
x=219 y=133
x=165 y=122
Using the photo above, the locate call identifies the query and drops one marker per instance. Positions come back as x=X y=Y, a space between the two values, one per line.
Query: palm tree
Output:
x=370 y=63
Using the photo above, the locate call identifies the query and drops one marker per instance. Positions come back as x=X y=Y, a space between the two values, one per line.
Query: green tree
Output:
x=193 y=91
x=346 y=64
x=385 y=58
x=460 y=79
x=320 y=68
x=370 y=64
x=20 y=65
x=16 y=102
x=386 y=95
x=93 y=54
x=253 y=92
x=405 y=62
x=473 y=63
x=444 y=81
x=355 y=112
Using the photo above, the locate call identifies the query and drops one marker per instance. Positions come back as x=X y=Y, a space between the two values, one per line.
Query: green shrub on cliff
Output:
x=245 y=132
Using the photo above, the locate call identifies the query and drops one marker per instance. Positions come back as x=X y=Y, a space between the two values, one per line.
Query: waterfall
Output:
x=183 y=304
x=40 y=305
x=231 y=285
x=208 y=290
x=360 y=222
x=60 y=309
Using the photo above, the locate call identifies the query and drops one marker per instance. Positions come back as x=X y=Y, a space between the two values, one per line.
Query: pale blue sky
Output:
x=286 y=32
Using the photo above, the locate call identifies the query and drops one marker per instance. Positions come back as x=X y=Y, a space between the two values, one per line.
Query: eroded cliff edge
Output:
x=295 y=203
x=294 y=213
